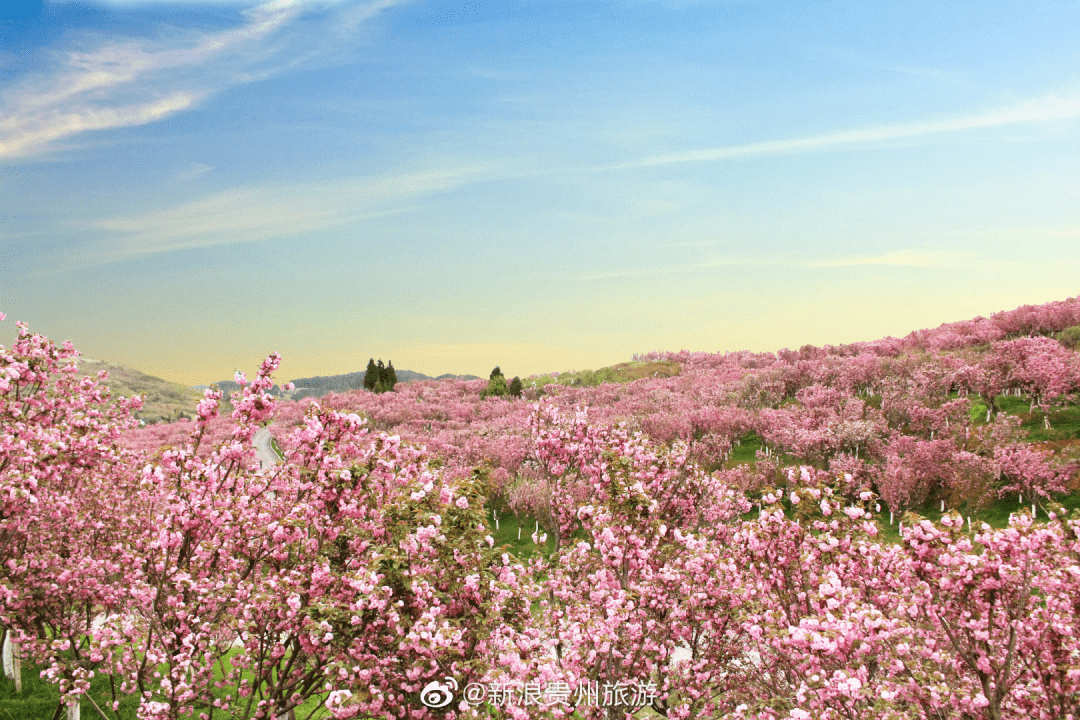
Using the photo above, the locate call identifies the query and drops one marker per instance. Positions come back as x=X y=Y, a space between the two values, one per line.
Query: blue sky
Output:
x=536 y=184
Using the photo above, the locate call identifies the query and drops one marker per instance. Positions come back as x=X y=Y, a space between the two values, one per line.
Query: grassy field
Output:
x=745 y=451
x=1064 y=421
x=39 y=698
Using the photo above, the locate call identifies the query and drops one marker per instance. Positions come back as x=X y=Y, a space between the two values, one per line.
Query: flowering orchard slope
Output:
x=360 y=571
x=930 y=417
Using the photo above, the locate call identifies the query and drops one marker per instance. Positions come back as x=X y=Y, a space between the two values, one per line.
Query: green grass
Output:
x=277 y=449
x=745 y=451
x=996 y=515
x=1064 y=425
x=507 y=536
x=39 y=698
x=621 y=373
x=37 y=701
x=1064 y=421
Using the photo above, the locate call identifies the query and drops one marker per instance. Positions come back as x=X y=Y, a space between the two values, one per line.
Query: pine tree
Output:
x=371 y=377
x=380 y=383
x=515 y=387
x=391 y=375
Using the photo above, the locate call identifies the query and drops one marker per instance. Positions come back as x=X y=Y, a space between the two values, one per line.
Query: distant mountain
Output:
x=322 y=384
x=166 y=401
x=227 y=387
x=407 y=376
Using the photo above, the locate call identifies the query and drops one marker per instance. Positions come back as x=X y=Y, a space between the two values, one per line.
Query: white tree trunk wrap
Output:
x=8 y=670
x=12 y=661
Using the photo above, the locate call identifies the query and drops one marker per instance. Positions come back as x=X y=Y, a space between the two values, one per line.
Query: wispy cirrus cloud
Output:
x=124 y=82
x=847 y=56
x=1043 y=110
x=690 y=244
x=194 y=171
x=659 y=270
x=33 y=131
x=259 y=214
x=896 y=258
x=902 y=258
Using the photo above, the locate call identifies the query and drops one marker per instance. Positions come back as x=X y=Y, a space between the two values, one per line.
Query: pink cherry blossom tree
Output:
x=67 y=498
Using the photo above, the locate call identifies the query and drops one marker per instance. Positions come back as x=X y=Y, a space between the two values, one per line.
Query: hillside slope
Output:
x=165 y=400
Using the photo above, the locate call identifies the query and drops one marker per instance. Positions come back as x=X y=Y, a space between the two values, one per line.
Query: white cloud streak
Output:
x=1044 y=110
x=196 y=170
x=258 y=214
x=656 y=271
x=126 y=82
x=897 y=258
x=902 y=258
x=34 y=130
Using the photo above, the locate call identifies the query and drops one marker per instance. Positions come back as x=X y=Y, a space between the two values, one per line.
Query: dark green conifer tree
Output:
x=371 y=377
x=380 y=383
x=515 y=387
x=391 y=375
